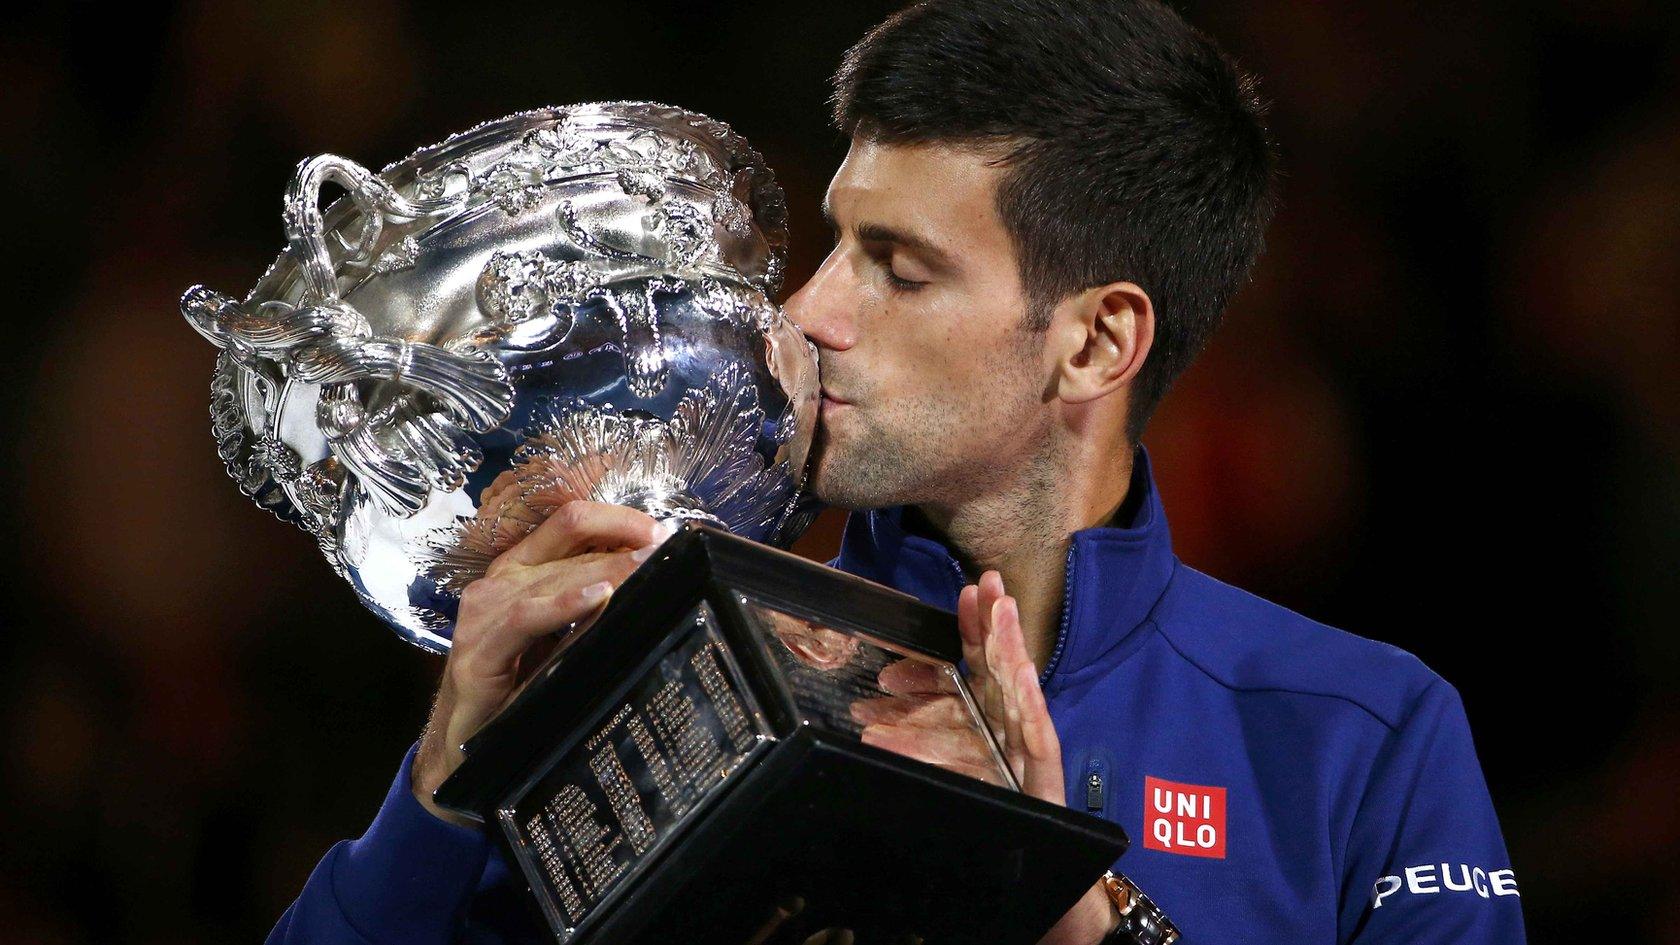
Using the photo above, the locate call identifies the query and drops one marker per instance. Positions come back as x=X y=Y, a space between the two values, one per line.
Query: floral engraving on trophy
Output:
x=519 y=287
x=513 y=185
x=688 y=237
x=402 y=254
x=279 y=459
x=642 y=182
x=317 y=489
x=568 y=151
x=574 y=450
x=735 y=303
x=233 y=430
x=732 y=215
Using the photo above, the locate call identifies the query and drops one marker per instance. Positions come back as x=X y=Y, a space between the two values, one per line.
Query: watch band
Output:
x=1141 y=921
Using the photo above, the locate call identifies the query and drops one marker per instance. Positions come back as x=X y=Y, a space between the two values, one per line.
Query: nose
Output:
x=825 y=307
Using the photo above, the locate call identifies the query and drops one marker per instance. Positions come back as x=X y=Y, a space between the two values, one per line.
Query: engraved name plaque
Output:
x=615 y=797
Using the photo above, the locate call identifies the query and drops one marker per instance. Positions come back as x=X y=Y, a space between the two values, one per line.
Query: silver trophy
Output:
x=564 y=303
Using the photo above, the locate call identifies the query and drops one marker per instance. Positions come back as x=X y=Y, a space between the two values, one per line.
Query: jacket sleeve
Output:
x=407 y=880
x=1426 y=862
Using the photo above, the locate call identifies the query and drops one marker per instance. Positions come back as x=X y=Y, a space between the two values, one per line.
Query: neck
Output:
x=1023 y=531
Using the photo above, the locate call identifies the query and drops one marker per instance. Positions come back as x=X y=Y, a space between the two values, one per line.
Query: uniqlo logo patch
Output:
x=1188 y=819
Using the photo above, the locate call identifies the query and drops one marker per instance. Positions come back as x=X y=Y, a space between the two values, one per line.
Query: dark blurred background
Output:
x=1445 y=415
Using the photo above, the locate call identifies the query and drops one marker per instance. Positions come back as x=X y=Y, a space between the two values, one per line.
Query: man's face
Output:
x=933 y=388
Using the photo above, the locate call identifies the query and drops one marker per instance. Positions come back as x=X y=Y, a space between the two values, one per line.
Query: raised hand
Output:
x=560 y=574
x=925 y=719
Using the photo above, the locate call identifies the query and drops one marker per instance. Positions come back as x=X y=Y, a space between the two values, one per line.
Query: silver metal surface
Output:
x=564 y=303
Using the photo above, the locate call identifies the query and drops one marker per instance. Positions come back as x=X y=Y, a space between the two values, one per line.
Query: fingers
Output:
x=973 y=635
x=516 y=612
x=922 y=720
x=1042 y=773
x=976 y=646
x=1009 y=666
x=584 y=526
x=499 y=488
x=1004 y=645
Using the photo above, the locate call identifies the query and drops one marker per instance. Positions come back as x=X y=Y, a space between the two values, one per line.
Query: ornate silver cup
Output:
x=564 y=303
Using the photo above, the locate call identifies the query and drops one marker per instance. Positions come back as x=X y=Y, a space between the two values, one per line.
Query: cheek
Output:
x=948 y=338
x=957 y=357
x=1002 y=373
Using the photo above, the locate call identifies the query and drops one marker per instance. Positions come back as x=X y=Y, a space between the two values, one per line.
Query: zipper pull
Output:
x=1094 y=792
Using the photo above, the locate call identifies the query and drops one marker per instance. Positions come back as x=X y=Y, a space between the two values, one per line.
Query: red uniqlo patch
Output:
x=1187 y=819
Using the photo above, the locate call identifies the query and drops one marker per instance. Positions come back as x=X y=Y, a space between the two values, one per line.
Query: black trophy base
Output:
x=688 y=771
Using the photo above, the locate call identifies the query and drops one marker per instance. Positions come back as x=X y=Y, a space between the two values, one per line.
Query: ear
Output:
x=1099 y=338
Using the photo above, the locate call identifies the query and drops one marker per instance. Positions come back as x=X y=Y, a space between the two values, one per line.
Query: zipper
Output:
x=1096 y=786
x=1067 y=610
x=962 y=579
x=1067 y=618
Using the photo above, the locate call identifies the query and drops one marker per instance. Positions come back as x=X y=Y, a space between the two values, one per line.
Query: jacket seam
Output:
x=1365 y=796
x=1392 y=727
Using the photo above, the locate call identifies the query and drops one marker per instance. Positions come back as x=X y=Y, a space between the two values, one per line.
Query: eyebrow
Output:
x=881 y=233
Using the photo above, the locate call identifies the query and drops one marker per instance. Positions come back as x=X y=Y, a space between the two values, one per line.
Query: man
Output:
x=1042 y=214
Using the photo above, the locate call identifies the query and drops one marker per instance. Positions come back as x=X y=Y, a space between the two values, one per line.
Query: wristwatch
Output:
x=1141 y=921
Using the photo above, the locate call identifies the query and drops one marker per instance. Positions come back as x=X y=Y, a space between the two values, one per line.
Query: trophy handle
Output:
x=376 y=199
x=400 y=451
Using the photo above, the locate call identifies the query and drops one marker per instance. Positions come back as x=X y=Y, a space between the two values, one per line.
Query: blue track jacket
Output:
x=1282 y=781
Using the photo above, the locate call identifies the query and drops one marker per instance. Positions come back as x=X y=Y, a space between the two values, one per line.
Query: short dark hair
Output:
x=1135 y=149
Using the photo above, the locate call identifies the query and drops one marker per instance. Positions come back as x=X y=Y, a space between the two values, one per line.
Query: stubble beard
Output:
x=925 y=453
x=870 y=469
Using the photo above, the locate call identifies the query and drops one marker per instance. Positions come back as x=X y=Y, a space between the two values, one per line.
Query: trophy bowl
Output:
x=566 y=303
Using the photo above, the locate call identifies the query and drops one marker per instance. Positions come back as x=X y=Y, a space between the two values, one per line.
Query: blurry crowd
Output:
x=1446 y=413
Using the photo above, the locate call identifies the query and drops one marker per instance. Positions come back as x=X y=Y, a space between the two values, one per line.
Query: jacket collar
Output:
x=1115 y=573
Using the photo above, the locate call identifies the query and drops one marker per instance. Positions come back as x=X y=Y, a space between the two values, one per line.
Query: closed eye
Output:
x=899 y=283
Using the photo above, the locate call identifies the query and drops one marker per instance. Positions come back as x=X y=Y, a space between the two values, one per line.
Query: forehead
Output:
x=946 y=194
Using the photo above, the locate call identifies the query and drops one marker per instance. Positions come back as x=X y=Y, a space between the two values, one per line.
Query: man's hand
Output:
x=925 y=719
x=560 y=574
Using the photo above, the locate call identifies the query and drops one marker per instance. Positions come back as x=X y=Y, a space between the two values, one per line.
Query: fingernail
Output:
x=597 y=591
x=664 y=530
x=643 y=553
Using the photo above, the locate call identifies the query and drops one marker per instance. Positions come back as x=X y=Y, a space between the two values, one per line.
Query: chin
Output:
x=864 y=469
x=832 y=494
x=852 y=489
